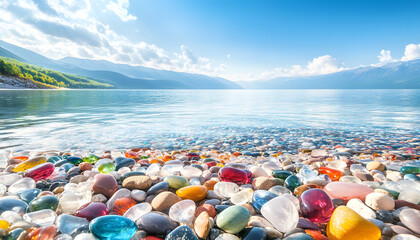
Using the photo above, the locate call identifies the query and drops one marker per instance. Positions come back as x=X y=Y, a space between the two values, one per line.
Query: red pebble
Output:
x=206 y=208
x=228 y=174
x=42 y=171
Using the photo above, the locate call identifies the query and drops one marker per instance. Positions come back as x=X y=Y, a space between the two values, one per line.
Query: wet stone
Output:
x=92 y=210
x=156 y=223
x=43 y=202
x=182 y=232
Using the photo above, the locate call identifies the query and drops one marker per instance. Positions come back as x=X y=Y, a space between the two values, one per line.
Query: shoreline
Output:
x=201 y=193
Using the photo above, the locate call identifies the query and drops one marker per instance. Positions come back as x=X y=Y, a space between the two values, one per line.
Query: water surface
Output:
x=112 y=119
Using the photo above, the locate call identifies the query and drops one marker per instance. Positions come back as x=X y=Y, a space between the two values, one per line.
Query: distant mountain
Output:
x=119 y=75
x=396 y=75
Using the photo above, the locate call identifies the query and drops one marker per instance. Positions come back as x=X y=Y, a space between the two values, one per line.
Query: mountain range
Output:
x=119 y=75
x=394 y=75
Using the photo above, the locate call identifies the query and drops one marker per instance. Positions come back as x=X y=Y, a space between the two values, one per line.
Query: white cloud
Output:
x=412 y=51
x=61 y=28
x=319 y=65
x=385 y=56
x=119 y=7
x=228 y=56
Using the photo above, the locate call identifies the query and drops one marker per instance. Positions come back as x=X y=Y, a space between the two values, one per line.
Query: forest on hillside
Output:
x=12 y=67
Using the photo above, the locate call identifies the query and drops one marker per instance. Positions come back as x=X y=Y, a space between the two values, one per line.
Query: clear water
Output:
x=113 y=119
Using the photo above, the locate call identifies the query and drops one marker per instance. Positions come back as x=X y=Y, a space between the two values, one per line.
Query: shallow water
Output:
x=112 y=119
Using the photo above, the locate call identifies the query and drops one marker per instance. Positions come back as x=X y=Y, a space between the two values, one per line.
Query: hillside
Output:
x=396 y=75
x=121 y=75
x=14 y=68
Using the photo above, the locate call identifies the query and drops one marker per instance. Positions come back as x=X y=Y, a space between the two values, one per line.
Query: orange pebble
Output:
x=236 y=154
x=123 y=204
x=316 y=235
x=210 y=184
x=206 y=208
x=131 y=154
x=23 y=158
x=193 y=192
x=334 y=174
x=167 y=158
x=42 y=233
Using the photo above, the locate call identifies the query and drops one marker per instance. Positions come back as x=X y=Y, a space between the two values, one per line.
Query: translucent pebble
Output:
x=102 y=161
x=242 y=197
x=21 y=185
x=279 y=190
x=404 y=184
x=85 y=236
x=170 y=170
x=11 y=216
x=337 y=164
x=373 y=185
x=307 y=174
x=183 y=211
x=191 y=172
x=71 y=201
x=270 y=166
x=391 y=186
x=43 y=218
x=282 y=213
x=410 y=195
x=153 y=170
x=195 y=181
x=68 y=223
x=358 y=167
x=226 y=189
x=136 y=211
x=9 y=179
x=350 y=179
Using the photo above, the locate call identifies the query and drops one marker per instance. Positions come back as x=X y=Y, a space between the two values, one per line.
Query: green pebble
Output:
x=410 y=169
x=176 y=182
x=282 y=174
x=233 y=219
x=106 y=168
x=292 y=182
x=91 y=158
x=43 y=202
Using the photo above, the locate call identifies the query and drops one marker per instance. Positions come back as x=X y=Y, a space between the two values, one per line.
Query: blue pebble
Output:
x=113 y=227
x=261 y=197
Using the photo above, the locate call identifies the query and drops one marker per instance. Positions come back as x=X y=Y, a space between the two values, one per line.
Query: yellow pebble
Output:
x=4 y=224
x=29 y=164
x=346 y=224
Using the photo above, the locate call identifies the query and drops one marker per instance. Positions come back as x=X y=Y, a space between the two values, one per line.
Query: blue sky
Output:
x=239 y=40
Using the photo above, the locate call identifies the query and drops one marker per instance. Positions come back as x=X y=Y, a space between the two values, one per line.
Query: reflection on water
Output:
x=96 y=119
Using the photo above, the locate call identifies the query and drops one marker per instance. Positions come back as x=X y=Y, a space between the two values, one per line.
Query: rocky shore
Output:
x=8 y=82
x=318 y=192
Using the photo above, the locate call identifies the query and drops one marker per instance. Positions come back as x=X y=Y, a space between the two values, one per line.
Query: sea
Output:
x=94 y=120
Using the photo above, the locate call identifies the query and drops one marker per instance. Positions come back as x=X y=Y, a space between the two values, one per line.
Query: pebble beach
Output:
x=252 y=187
